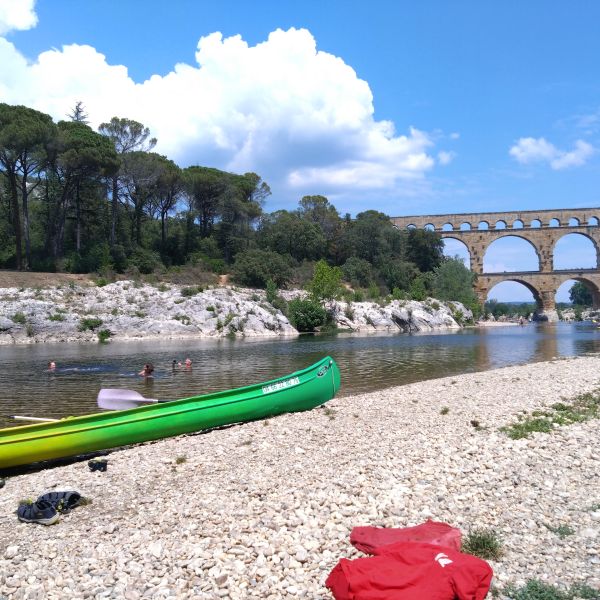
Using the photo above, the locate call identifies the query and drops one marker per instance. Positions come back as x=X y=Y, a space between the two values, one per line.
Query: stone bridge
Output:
x=540 y=228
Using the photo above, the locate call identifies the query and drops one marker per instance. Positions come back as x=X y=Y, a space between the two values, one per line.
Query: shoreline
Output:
x=265 y=509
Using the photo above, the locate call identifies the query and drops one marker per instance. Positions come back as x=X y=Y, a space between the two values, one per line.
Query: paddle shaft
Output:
x=34 y=419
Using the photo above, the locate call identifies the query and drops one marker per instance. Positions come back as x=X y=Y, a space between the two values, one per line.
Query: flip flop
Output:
x=63 y=502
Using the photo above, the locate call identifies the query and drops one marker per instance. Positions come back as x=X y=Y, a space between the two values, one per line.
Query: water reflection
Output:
x=367 y=362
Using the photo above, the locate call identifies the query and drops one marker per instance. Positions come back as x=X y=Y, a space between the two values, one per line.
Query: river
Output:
x=367 y=362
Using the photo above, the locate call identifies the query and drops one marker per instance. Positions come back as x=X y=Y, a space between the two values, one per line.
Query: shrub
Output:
x=19 y=318
x=271 y=291
x=89 y=323
x=359 y=296
x=101 y=281
x=358 y=271
x=444 y=411
x=483 y=543
x=326 y=282
x=145 y=260
x=104 y=335
x=56 y=317
x=398 y=294
x=188 y=292
x=280 y=304
x=256 y=267
x=306 y=315
x=537 y=590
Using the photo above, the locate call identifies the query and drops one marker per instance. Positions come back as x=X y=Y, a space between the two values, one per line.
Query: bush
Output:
x=256 y=267
x=119 y=258
x=188 y=292
x=145 y=260
x=271 y=291
x=104 y=335
x=483 y=543
x=358 y=271
x=306 y=315
x=89 y=324
x=537 y=590
x=326 y=282
x=418 y=291
x=19 y=318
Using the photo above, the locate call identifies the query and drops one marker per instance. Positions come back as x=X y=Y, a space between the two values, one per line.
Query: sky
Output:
x=399 y=106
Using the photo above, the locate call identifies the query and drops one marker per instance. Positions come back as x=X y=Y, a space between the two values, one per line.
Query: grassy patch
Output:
x=537 y=590
x=104 y=335
x=183 y=319
x=581 y=408
x=483 y=543
x=89 y=323
x=444 y=410
x=188 y=292
x=330 y=413
x=180 y=460
x=19 y=318
x=562 y=531
x=56 y=317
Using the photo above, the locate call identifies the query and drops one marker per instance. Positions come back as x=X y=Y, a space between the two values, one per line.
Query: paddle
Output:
x=116 y=399
x=35 y=419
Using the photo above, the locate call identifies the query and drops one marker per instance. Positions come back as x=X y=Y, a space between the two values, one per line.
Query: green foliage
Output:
x=562 y=531
x=326 y=283
x=188 y=292
x=418 y=289
x=271 y=291
x=582 y=408
x=453 y=281
x=19 y=318
x=580 y=294
x=306 y=315
x=483 y=543
x=499 y=309
x=358 y=271
x=537 y=590
x=444 y=410
x=425 y=249
x=89 y=324
x=104 y=335
x=398 y=274
x=256 y=267
x=145 y=260
x=56 y=317
x=359 y=296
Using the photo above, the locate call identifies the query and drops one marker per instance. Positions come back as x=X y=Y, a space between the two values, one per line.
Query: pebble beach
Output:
x=265 y=509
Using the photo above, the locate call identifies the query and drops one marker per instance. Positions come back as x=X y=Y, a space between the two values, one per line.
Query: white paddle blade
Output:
x=115 y=399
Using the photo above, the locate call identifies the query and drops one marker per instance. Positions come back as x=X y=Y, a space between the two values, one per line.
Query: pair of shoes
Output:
x=38 y=512
x=47 y=509
x=98 y=464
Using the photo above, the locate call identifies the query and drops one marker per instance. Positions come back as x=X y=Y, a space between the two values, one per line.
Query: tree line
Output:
x=79 y=200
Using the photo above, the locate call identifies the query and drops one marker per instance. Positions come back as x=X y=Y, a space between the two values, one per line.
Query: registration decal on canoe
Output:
x=280 y=385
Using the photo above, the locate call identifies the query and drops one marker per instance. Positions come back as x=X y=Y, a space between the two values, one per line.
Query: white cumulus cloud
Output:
x=530 y=150
x=298 y=116
x=17 y=14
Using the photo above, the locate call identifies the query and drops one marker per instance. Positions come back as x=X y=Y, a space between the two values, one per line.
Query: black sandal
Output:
x=38 y=512
x=63 y=502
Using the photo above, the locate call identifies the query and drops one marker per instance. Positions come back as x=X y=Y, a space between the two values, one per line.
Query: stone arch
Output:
x=447 y=227
x=593 y=222
x=573 y=236
x=500 y=224
x=411 y=226
x=517 y=224
x=462 y=248
x=519 y=237
x=590 y=285
x=554 y=223
x=429 y=227
x=574 y=222
x=465 y=226
x=483 y=226
x=537 y=297
x=535 y=224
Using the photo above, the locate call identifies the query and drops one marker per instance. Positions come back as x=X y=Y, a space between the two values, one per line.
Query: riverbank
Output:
x=265 y=509
x=129 y=310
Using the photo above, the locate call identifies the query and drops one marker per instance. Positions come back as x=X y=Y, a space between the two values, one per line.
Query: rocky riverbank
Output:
x=128 y=310
x=264 y=510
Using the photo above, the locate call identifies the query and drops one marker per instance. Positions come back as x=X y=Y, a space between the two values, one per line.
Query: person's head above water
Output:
x=147 y=370
x=188 y=362
x=51 y=365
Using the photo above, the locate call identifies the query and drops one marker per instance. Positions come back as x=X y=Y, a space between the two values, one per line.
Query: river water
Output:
x=367 y=362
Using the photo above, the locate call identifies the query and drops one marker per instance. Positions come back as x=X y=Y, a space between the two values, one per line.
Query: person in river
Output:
x=188 y=363
x=51 y=366
x=147 y=370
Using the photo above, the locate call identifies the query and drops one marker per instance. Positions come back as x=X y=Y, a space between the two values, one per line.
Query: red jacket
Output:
x=411 y=571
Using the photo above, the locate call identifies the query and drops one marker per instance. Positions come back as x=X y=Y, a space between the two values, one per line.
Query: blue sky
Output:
x=406 y=107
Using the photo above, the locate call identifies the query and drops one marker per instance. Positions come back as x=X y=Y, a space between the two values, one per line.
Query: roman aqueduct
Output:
x=541 y=228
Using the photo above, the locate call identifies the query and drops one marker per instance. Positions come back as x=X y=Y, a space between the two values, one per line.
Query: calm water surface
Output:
x=367 y=362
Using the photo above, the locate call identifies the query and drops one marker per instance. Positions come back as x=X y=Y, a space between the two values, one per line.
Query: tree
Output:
x=205 y=188
x=82 y=156
x=580 y=294
x=318 y=210
x=358 y=271
x=127 y=135
x=25 y=135
x=256 y=267
x=288 y=233
x=306 y=315
x=78 y=113
x=398 y=273
x=326 y=283
x=168 y=187
x=425 y=249
x=453 y=281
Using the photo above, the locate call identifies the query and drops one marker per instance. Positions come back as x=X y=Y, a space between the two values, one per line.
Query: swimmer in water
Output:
x=147 y=370
x=51 y=366
x=188 y=363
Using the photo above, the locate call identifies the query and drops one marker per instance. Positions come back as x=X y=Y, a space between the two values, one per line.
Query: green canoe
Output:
x=299 y=391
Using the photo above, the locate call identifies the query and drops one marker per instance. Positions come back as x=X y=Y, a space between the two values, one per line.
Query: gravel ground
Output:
x=265 y=509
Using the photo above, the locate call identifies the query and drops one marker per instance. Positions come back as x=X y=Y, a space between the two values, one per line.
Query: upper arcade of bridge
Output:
x=563 y=217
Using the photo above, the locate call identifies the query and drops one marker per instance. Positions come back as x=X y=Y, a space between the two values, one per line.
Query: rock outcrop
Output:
x=127 y=310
